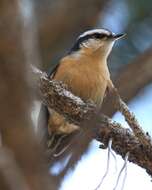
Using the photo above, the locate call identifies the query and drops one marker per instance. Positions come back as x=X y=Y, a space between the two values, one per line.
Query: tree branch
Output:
x=130 y=118
x=124 y=141
x=55 y=96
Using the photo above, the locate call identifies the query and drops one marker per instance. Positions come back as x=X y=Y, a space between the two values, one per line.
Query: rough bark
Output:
x=124 y=141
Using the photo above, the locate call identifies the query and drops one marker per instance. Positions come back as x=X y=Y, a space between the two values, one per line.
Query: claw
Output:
x=62 y=151
x=50 y=141
x=54 y=142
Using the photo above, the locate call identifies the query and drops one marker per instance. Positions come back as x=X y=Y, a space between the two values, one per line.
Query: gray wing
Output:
x=42 y=129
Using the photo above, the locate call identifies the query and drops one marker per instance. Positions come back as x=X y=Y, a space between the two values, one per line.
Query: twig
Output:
x=132 y=121
x=125 y=141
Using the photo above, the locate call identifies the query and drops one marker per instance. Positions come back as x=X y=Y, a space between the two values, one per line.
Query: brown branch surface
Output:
x=124 y=141
x=130 y=118
x=61 y=100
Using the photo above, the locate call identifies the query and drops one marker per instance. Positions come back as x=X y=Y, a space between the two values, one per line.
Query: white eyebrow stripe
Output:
x=89 y=32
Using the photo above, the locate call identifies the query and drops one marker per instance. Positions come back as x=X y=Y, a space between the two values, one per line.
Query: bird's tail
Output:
x=60 y=133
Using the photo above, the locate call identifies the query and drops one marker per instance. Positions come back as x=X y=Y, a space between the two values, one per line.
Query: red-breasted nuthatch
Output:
x=84 y=70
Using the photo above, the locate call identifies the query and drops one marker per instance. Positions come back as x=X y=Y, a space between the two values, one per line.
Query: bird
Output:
x=85 y=72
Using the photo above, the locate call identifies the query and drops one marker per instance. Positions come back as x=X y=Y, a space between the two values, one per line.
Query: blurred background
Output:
x=47 y=30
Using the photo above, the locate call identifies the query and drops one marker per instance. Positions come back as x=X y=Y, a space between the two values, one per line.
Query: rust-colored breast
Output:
x=85 y=78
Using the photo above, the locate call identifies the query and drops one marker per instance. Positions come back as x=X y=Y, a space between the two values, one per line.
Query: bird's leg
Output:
x=62 y=151
x=58 y=142
x=51 y=140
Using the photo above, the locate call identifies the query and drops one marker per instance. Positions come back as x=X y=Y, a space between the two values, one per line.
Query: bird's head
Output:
x=97 y=40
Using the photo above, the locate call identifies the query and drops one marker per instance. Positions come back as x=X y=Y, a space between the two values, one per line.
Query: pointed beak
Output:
x=118 y=36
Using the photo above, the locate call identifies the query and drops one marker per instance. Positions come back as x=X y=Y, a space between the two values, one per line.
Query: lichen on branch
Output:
x=55 y=95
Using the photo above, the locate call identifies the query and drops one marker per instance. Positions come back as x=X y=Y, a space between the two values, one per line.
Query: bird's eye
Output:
x=99 y=36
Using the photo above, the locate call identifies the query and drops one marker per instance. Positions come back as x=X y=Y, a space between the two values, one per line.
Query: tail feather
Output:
x=55 y=143
x=42 y=127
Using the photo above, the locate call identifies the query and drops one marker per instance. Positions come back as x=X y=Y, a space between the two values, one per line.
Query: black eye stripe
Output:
x=99 y=36
x=82 y=39
x=95 y=35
